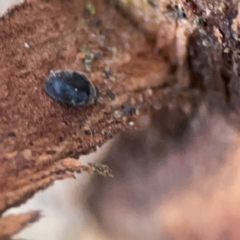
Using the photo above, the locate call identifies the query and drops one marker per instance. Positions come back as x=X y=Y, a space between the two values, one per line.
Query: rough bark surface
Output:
x=38 y=133
x=14 y=223
x=140 y=62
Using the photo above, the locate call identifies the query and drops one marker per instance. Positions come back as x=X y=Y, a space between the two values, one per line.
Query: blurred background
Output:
x=4 y=4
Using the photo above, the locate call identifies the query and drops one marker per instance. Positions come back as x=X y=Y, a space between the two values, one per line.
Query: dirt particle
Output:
x=111 y=94
x=88 y=58
x=90 y=8
x=131 y=124
x=52 y=152
x=61 y=138
x=149 y=92
x=117 y=113
x=12 y=134
x=128 y=109
x=107 y=73
x=27 y=154
x=26 y=45
x=87 y=131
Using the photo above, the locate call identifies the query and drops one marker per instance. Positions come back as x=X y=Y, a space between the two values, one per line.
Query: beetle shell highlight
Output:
x=70 y=87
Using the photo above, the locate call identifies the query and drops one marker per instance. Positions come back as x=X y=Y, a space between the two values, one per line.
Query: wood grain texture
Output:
x=39 y=135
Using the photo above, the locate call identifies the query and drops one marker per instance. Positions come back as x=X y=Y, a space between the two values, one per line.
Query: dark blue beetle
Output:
x=70 y=87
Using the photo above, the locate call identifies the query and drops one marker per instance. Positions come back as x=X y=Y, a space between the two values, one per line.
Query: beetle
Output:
x=70 y=87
